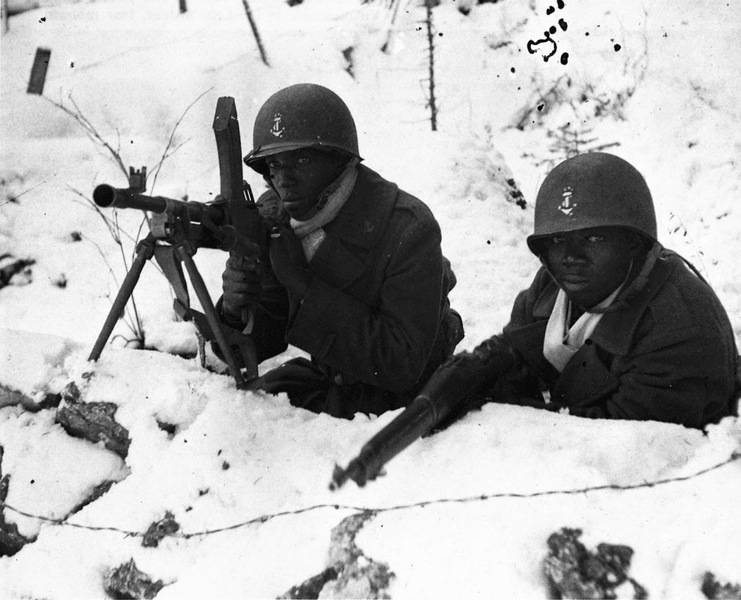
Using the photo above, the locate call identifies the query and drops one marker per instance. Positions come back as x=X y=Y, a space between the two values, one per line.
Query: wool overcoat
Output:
x=666 y=353
x=376 y=318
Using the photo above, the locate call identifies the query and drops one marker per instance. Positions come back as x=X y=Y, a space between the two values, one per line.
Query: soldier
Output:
x=613 y=324
x=355 y=275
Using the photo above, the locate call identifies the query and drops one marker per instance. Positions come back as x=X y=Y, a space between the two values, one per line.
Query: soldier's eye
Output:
x=273 y=164
x=557 y=239
x=303 y=160
x=595 y=239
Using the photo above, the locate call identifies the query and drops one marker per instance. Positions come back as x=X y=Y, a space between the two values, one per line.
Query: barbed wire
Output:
x=62 y=522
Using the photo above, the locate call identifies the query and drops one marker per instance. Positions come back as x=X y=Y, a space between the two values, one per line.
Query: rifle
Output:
x=178 y=228
x=441 y=399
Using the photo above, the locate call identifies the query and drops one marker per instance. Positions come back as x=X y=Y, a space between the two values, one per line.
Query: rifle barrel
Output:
x=415 y=421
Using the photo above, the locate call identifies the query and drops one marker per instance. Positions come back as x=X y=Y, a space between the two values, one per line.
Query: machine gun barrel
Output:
x=106 y=196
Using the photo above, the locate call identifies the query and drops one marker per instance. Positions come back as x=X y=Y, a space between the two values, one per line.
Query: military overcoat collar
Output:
x=345 y=254
x=364 y=216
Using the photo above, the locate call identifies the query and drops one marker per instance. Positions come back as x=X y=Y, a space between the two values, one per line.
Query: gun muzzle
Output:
x=416 y=420
x=106 y=196
x=449 y=385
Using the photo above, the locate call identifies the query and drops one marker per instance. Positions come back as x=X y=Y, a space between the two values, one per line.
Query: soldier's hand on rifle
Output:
x=288 y=260
x=241 y=285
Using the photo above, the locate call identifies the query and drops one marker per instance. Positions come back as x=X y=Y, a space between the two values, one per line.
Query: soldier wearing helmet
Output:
x=355 y=275
x=613 y=324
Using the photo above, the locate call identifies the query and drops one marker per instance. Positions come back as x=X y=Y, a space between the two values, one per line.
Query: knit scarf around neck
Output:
x=331 y=201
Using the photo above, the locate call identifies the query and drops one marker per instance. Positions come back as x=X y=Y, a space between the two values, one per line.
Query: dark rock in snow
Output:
x=10 y=266
x=313 y=585
x=96 y=493
x=93 y=421
x=11 y=397
x=10 y=540
x=168 y=428
x=350 y=574
x=714 y=590
x=160 y=529
x=575 y=572
x=127 y=582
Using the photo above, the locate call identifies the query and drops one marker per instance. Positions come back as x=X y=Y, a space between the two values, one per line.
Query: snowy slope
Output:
x=667 y=96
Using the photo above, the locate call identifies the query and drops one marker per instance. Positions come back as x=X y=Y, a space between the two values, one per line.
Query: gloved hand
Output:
x=288 y=260
x=456 y=385
x=241 y=285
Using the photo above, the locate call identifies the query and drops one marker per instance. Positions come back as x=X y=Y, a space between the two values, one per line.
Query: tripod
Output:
x=171 y=246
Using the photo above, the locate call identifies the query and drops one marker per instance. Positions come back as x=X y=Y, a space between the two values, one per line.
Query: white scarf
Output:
x=561 y=342
x=332 y=199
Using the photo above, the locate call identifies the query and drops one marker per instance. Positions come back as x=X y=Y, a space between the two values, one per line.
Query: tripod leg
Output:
x=144 y=252
x=208 y=308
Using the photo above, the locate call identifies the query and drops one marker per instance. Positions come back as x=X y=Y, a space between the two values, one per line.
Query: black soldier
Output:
x=355 y=275
x=613 y=325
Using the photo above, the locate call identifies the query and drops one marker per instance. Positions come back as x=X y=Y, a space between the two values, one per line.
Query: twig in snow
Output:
x=431 y=64
x=256 y=33
x=89 y=129
x=166 y=153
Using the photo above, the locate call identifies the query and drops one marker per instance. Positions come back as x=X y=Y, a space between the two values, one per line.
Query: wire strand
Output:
x=377 y=510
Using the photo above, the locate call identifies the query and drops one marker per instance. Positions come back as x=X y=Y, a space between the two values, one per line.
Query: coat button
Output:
x=338 y=379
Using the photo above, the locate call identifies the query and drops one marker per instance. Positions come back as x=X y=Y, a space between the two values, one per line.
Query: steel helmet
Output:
x=300 y=116
x=593 y=190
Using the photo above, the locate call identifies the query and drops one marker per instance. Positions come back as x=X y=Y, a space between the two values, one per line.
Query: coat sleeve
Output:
x=386 y=344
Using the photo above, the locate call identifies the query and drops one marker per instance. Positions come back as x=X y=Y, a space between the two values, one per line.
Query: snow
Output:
x=668 y=96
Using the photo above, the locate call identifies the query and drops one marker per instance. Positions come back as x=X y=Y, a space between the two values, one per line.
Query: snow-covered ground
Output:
x=655 y=82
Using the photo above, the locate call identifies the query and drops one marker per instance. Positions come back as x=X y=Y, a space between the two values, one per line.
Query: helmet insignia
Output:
x=567 y=205
x=277 y=129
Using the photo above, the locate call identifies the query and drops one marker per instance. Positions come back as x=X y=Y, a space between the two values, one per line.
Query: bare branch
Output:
x=89 y=129
x=165 y=154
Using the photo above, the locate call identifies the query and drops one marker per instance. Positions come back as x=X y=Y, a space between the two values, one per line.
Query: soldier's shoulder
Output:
x=409 y=203
x=406 y=209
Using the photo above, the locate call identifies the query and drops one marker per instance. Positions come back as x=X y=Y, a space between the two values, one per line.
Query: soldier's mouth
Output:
x=574 y=278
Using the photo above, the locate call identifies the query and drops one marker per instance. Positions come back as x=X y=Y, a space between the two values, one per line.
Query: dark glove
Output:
x=241 y=285
x=288 y=260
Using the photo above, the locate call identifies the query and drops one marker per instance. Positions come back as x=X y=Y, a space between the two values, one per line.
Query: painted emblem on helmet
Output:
x=568 y=204
x=277 y=129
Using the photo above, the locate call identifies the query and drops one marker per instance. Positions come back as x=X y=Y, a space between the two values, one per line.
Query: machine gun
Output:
x=178 y=228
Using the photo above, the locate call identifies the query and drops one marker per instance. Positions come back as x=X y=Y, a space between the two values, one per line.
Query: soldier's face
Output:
x=299 y=176
x=589 y=264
